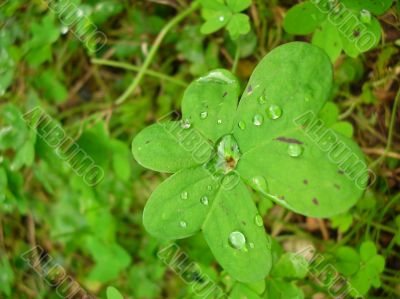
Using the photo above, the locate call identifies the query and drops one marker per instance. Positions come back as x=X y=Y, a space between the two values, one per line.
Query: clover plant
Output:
x=336 y=25
x=221 y=149
x=219 y=14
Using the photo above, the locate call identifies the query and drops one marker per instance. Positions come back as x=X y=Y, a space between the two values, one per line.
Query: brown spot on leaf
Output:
x=225 y=94
x=315 y=201
x=288 y=140
x=249 y=89
x=337 y=186
x=340 y=171
x=305 y=182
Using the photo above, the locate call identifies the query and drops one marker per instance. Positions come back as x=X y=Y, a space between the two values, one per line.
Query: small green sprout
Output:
x=219 y=149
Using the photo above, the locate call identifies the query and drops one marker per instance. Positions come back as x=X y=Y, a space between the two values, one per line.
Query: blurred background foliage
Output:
x=95 y=233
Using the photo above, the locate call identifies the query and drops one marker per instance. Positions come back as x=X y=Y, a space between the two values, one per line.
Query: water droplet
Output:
x=185 y=124
x=221 y=18
x=295 y=150
x=64 y=29
x=204 y=200
x=209 y=187
x=274 y=112
x=219 y=121
x=237 y=240
x=79 y=13
x=203 y=115
x=258 y=120
x=365 y=16
x=242 y=125
x=184 y=195
x=183 y=224
x=260 y=184
x=258 y=220
x=262 y=100
x=251 y=245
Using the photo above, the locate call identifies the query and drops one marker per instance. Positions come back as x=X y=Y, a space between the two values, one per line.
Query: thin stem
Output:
x=391 y=131
x=156 y=45
x=131 y=67
x=236 y=59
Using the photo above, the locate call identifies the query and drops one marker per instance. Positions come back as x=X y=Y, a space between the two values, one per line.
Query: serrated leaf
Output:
x=167 y=147
x=302 y=19
x=175 y=209
x=210 y=101
x=234 y=211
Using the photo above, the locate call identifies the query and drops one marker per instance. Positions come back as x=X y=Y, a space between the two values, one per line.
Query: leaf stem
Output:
x=156 y=45
x=236 y=59
x=391 y=131
x=131 y=67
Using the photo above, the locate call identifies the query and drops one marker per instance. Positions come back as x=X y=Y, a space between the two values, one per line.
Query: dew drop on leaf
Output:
x=274 y=112
x=203 y=115
x=251 y=245
x=258 y=220
x=184 y=195
x=219 y=121
x=183 y=224
x=204 y=200
x=295 y=150
x=185 y=124
x=262 y=100
x=64 y=29
x=258 y=120
x=237 y=240
x=242 y=125
x=209 y=187
x=221 y=18
x=365 y=16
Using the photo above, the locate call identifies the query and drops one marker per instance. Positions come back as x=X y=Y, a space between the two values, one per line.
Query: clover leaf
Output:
x=219 y=14
x=348 y=25
x=363 y=268
x=219 y=149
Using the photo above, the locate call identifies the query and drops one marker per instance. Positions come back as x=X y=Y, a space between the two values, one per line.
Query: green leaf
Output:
x=376 y=7
x=367 y=251
x=210 y=102
x=327 y=37
x=296 y=77
x=113 y=293
x=292 y=87
x=238 y=25
x=302 y=19
x=177 y=208
x=344 y=127
x=6 y=277
x=168 y=147
x=342 y=222
x=241 y=291
x=358 y=37
x=233 y=211
x=279 y=289
x=291 y=266
x=215 y=23
x=238 y=5
x=121 y=159
x=347 y=260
